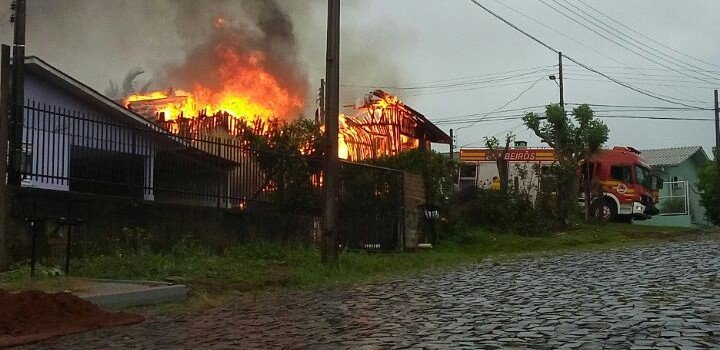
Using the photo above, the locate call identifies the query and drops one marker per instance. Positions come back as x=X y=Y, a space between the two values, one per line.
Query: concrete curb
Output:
x=154 y=293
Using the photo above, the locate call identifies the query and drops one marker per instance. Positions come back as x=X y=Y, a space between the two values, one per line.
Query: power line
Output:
x=649 y=38
x=637 y=68
x=455 y=84
x=511 y=100
x=603 y=108
x=600 y=116
x=577 y=42
x=614 y=41
x=450 y=119
x=593 y=18
x=467 y=89
x=636 y=106
x=649 y=83
x=646 y=77
x=643 y=92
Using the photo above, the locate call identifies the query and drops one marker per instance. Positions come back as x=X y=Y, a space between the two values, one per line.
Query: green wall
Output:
x=685 y=171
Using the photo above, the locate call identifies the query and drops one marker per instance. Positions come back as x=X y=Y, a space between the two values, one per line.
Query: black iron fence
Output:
x=371 y=207
x=65 y=150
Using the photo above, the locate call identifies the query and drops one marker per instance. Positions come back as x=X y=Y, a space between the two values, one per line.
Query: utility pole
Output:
x=18 y=94
x=717 y=137
x=452 y=145
x=4 y=129
x=560 y=76
x=321 y=99
x=332 y=165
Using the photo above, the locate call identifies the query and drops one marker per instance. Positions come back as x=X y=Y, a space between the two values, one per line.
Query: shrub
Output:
x=438 y=171
x=475 y=208
x=710 y=196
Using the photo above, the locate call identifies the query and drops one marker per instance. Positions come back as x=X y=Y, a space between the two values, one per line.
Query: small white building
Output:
x=525 y=164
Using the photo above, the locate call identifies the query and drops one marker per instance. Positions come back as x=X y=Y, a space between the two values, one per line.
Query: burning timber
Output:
x=382 y=126
x=385 y=126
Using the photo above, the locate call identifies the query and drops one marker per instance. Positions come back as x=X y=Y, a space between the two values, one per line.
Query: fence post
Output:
x=401 y=210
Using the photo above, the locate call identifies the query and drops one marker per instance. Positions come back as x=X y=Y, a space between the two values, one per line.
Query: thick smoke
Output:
x=98 y=40
x=265 y=28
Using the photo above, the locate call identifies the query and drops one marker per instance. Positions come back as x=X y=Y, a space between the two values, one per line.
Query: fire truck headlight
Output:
x=638 y=208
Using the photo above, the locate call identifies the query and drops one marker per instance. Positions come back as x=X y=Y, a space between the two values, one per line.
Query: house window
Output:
x=106 y=172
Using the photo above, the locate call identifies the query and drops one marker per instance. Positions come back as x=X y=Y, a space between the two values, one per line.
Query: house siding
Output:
x=685 y=171
x=51 y=138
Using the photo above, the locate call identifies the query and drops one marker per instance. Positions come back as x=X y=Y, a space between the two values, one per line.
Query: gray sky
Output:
x=475 y=63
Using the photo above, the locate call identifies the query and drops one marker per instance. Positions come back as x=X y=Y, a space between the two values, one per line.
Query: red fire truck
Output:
x=621 y=186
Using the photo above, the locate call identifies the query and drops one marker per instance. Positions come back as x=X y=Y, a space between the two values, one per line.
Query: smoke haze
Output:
x=98 y=40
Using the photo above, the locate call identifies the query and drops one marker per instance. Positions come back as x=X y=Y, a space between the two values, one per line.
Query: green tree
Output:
x=710 y=195
x=437 y=171
x=573 y=141
x=290 y=155
x=498 y=153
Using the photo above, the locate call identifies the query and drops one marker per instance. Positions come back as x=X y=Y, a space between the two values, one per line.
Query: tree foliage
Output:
x=438 y=171
x=498 y=153
x=290 y=155
x=574 y=140
x=710 y=195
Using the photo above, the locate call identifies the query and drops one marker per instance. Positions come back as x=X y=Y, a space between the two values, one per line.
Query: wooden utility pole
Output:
x=18 y=94
x=452 y=145
x=4 y=128
x=560 y=77
x=332 y=112
x=321 y=99
x=717 y=137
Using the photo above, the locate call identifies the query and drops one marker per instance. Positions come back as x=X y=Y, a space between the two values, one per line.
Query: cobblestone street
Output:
x=640 y=298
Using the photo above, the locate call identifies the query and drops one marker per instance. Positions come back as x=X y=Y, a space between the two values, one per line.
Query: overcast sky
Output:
x=452 y=60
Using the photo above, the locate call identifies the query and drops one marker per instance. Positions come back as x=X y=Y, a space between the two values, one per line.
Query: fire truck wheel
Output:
x=604 y=210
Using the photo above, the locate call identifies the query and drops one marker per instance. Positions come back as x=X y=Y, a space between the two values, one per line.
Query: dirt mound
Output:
x=32 y=316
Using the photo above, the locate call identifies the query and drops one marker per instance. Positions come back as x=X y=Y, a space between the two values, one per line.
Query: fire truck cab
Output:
x=621 y=186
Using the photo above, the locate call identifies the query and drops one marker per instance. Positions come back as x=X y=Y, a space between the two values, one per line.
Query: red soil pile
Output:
x=32 y=316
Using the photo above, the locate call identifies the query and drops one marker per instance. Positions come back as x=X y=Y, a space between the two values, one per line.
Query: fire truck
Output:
x=622 y=187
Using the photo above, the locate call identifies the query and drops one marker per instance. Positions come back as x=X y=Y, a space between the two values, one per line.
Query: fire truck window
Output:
x=642 y=176
x=622 y=173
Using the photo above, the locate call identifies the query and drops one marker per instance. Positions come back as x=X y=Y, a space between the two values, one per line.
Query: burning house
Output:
x=385 y=126
x=75 y=139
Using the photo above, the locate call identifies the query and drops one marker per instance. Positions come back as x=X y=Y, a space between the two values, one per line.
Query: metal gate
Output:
x=371 y=207
x=674 y=198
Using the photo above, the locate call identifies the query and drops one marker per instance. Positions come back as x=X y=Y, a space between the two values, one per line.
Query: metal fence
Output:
x=65 y=150
x=371 y=207
x=674 y=198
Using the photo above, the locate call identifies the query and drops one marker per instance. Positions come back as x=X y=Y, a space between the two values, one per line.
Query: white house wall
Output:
x=52 y=136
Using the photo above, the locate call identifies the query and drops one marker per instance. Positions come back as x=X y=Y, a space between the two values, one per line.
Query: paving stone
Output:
x=637 y=298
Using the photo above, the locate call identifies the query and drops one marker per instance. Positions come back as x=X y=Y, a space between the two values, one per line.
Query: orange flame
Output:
x=247 y=91
x=376 y=129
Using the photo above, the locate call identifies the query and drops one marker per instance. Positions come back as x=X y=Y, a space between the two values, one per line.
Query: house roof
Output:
x=45 y=70
x=425 y=126
x=38 y=66
x=672 y=156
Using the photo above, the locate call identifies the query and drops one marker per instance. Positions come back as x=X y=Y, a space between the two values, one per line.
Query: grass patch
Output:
x=265 y=266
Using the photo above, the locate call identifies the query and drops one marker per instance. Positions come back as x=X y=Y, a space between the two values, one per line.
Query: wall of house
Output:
x=50 y=137
x=686 y=171
x=521 y=174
